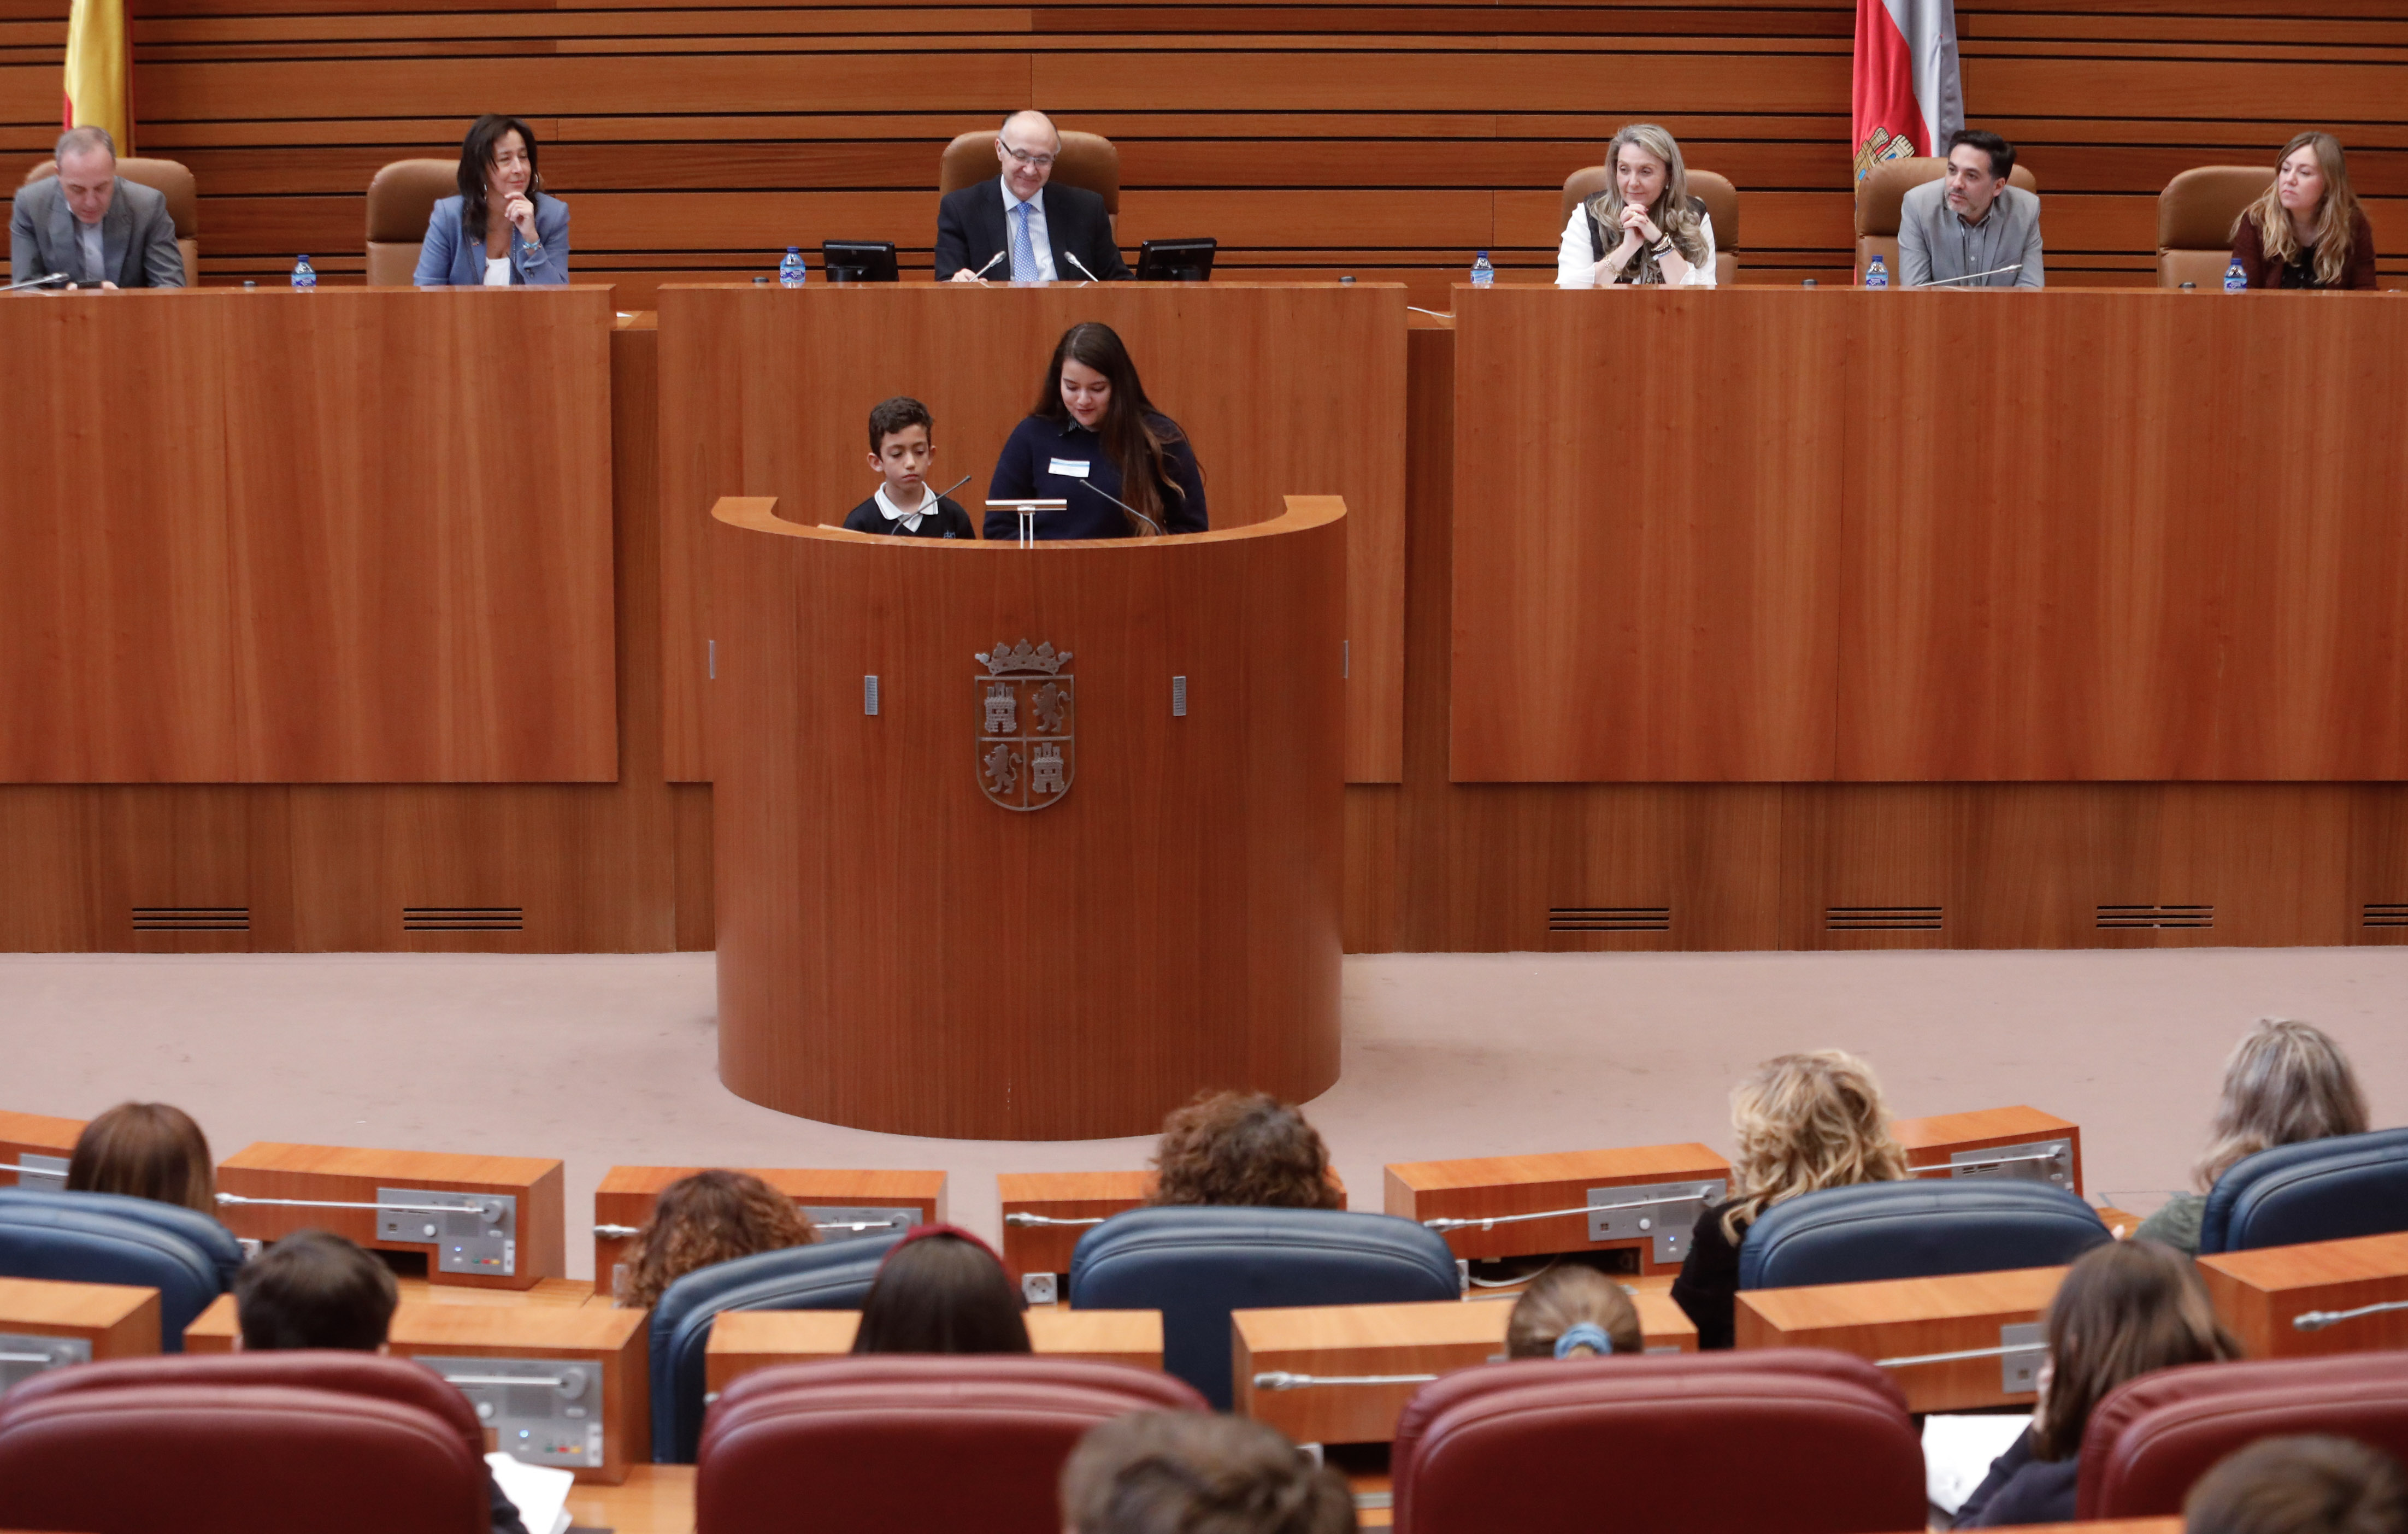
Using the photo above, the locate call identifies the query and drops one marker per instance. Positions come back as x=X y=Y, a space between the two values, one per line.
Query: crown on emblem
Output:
x=1020 y=657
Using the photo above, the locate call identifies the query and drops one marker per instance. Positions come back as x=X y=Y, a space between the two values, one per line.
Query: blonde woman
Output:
x=1805 y=1123
x=2284 y=1083
x=1643 y=230
x=2308 y=231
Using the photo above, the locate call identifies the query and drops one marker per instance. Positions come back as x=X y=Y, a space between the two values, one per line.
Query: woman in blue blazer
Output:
x=501 y=231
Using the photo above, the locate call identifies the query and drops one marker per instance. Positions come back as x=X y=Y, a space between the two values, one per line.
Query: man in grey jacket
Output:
x=92 y=227
x=1970 y=229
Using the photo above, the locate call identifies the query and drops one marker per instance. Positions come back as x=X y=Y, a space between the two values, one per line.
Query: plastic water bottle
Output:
x=1876 y=273
x=1483 y=274
x=305 y=276
x=792 y=273
x=2235 y=279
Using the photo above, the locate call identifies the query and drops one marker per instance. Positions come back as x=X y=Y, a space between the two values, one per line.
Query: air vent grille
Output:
x=1609 y=919
x=1881 y=918
x=2156 y=916
x=191 y=918
x=2387 y=913
x=464 y=918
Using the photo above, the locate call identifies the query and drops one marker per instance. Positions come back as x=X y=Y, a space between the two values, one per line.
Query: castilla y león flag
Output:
x=99 y=92
x=1907 y=96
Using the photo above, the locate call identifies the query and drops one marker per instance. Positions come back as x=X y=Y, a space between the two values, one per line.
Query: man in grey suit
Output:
x=1970 y=229
x=92 y=227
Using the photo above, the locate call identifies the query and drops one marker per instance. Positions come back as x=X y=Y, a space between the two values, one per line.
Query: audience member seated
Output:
x=942 y=1290
x=1020 y=228
x=1243 y=1147
x=2300 y=1485
x=1645 y=229
x=1804 y=1122
x=2309 y=230
x=1573 y=1312
x=316 y=1290
x=1186 y=1473
x=146 y=1150
x=2125 y=1310
x=90 y=225
x=708 y=1217
x=2285 y=1083
x=1967 y=228
x=1095 y=442
x=502 y=230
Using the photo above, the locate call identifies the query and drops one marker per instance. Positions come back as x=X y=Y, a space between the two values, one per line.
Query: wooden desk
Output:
x=1045 y=1249
x=47 y=1139
x=653 y=1499
x=624 y=1200
x=1434 y=1337
x=744 y=1340
x=1488 y=1186
x=1911 y=1318
x=340 y=1175
x=1931 y=1142
x=2259 y=1293
x=109 y=1320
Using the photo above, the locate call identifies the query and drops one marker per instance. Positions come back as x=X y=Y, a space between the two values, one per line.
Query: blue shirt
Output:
x=1041 y=460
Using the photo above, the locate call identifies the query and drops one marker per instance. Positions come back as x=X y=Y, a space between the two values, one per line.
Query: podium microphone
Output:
x=47 y=280
x=1123 y=505
x=895 y=528
x=981 y=274
x=1975 y=277
x=1073 y=258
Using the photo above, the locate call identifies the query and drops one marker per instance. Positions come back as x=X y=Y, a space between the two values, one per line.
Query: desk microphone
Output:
x=895 y=528
x=981 y=273
x=47 y=280
x=1072 y=257
x=1976 y=277
x=1123 y=505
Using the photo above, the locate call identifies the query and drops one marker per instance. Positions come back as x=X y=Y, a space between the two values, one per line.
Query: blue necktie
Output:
x=1023 y=253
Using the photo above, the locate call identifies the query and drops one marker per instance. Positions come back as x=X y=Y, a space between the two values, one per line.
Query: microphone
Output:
x=1127 y=507
x=47 y=280
x=895 y=528
x=981 y=272
x=1073 y=258
x=1975 y=277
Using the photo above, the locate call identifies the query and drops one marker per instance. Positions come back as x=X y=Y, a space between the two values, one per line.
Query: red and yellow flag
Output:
x=100 y=77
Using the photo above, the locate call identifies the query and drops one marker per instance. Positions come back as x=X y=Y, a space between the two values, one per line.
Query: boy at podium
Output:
x=902 y=445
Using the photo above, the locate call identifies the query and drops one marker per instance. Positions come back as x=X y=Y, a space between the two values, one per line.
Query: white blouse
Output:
x=498 y=271
x=1576 y=269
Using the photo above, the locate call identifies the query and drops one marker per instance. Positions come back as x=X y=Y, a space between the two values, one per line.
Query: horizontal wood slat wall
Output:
x=1385 y=140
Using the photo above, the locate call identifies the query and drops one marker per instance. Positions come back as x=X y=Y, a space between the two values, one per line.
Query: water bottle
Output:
x=1876 y=273
x=792 y=273
x=2235 y=279
x=305 y=276
x=1483 y=274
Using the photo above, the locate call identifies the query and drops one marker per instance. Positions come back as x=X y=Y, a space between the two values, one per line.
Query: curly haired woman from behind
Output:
x=1243 y=1147
x=711 y=1217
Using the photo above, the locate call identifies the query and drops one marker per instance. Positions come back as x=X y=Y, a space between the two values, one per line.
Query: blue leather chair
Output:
x=1919 y=1229
x=832 y=1276
x=109 y=1237
x=2321 y=1190
x=1198 y=1264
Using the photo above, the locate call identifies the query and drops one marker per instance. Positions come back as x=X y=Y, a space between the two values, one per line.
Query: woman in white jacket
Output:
x=1645 y=229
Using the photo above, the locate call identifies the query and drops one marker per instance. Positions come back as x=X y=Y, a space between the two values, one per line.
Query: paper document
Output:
x=1956 y=1453
x=540 y=1492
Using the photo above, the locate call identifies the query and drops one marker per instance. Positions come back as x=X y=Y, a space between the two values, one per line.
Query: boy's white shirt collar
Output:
x=911 y=519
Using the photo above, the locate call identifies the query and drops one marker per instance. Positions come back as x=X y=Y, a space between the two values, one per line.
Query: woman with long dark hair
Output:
x=1096 y=441
x=941 y=1290
x=502 y=231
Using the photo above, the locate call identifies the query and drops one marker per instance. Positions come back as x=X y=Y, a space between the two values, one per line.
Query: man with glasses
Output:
x=1019 y=229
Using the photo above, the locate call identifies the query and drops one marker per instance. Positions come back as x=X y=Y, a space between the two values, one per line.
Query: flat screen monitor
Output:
x=859 y=261
x=1176 y=260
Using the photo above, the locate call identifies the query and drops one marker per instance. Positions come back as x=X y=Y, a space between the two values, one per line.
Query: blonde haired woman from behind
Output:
x=1805 y=1123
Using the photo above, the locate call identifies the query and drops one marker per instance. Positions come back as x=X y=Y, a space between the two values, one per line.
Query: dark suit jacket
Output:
x=138 y=238
x=970 y=230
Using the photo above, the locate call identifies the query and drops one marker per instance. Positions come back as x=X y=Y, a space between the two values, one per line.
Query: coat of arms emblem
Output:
x=1027 y=748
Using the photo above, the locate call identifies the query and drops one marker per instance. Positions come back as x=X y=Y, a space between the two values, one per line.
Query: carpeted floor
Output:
x=608 y=1059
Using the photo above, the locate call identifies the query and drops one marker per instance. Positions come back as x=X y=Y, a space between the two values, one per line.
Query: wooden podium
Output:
x=1026 y=843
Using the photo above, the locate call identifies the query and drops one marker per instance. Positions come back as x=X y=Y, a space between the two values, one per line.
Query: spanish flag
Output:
x=99 y=82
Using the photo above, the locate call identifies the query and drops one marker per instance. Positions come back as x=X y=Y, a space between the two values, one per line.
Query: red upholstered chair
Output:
x=231 y=1443
x=963 y=1441
x=1799 y=1440
x=2151 y=1439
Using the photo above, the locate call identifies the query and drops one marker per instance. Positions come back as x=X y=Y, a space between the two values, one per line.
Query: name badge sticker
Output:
x=1069 y=469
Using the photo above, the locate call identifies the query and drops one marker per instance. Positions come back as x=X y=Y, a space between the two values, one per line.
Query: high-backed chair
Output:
x=109 y=1237
x=401 y=198
x=1799 y=1439
x=1088 y=160
x=831 y=1276
x=1915 y=1229
x=2195 y=214
x=170 y=180
x=964 y=1441
x=2322 y=1190
x=1879 y=194
x=1195 y=1265
x=222 y=1444
x=2150 y=1439
x=1720 y=197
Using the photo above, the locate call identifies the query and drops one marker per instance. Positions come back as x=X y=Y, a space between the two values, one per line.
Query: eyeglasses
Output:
x=1034 y=161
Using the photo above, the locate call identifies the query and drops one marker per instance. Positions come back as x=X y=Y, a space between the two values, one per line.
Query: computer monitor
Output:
x=1176 y=260
x=859 y=261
